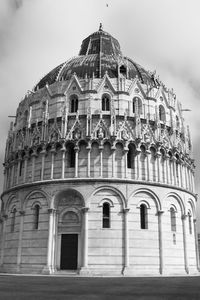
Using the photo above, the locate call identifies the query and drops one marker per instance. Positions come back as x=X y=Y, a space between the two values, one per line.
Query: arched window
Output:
x=143 y=217
x=173 y=219
x=20 y=167
x=36 y=215
x=71 y=156
x=13 y=220
x=74 y=103
x=106 y=215
x=131 y=157
x=122 y=70
x=105 y=103
x=162 y=116
x=137 y=105
x=133 y=106
x=153 y=164
x=177 y=169
x=190 y=222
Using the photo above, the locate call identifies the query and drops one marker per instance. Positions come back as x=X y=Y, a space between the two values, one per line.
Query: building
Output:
x=99 y=177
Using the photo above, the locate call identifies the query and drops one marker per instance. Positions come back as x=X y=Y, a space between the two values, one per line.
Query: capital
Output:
x=183 y=217
x=85 y=209
x=126 y=210
x=160 y=212
x=22 y=212
x=51 y=210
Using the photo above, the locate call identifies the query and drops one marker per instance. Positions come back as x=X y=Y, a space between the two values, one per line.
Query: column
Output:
x=25 y=166
x=126 y=241
x=5 y=178
x=184 y=218
x=174 y=171
x=88 y=160
x=76 y=149
x=193 y=185
x=18 y=170
x=53 y=150
x=33 y=165
x=138 y=164
x=160 y=214
x=19 y=251
x=125 y=161
x=186 y=179
x=163 y=172
x=101 y=160
x=196 y=244
x=12 y=173
x=49 y=268
x=85 y=240
x=180 y=174
x=5 y=217
x=113 y=162
x=167 y=169
x=63 y=151
x=43 y=153
x=147 y=152
x=158 y=156
x=183 y=174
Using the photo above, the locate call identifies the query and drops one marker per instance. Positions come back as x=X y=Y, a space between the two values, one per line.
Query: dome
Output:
x=100 y=53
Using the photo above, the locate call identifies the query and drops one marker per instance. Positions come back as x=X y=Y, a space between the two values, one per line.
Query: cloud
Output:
x=37 y=35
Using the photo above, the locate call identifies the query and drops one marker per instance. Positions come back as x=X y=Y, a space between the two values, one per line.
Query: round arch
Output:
x=70 y=209
x=179 y=200
x=44 y=194
x=151 y=193
x=9 y=201
x=113 y=189
x=144 y=202
x=68 y=191
x=191 y=205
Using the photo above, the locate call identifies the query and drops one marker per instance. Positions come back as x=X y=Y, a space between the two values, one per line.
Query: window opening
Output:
x=190 y=223
x=74 y=104
x=143 y=217
x=36 y=216
x=105 y=103
x=106 y=215
x=161 y=113
x=13 y=220
x=173 y=219
x=20 y=167
x=71 y=154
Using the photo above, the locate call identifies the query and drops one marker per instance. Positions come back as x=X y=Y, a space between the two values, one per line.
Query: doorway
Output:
x=69 y=252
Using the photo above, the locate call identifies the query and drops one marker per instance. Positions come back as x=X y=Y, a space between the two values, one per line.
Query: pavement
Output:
x=22 y=287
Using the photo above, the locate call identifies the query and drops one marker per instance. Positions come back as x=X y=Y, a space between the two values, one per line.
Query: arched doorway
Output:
x=69 y=205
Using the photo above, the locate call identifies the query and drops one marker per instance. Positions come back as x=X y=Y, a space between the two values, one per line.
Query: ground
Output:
x=75 y=288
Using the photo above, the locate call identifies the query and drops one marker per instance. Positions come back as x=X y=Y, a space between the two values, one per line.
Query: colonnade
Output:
x=140 y=164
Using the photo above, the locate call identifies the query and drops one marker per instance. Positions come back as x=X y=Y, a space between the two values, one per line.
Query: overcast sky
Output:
x=161 y=35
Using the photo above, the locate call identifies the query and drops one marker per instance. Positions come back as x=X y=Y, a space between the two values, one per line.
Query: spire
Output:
x=100 y=27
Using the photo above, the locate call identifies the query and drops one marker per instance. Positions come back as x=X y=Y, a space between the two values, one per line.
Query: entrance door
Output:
x=69 y=251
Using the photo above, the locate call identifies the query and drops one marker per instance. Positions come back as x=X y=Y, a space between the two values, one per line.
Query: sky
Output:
x=161 y=35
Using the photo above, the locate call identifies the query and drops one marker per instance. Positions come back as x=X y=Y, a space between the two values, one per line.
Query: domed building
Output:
x=99 y=178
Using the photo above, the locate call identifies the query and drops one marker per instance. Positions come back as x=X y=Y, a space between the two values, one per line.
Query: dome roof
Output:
x=100 y=53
